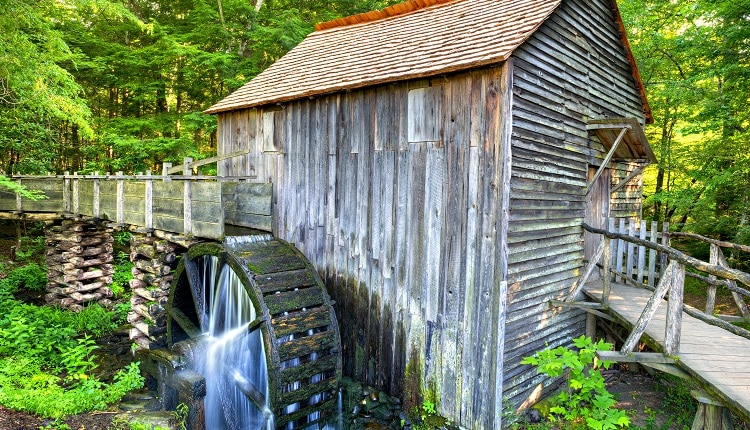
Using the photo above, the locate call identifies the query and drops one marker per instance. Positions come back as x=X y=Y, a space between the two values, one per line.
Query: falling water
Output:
x=235 y=362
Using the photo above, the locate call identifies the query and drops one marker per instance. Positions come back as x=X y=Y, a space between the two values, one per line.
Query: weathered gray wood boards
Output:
x=189 y=205
x=445 y=212
x=407 y=233
x=571 y=70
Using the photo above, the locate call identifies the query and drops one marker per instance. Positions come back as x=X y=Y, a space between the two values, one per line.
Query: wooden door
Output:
x=597 y=211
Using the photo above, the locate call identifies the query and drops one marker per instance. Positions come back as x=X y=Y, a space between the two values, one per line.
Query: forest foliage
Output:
x=113 y=85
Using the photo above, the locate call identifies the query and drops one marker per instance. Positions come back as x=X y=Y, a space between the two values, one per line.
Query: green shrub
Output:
x=31 y=276
x=586 y=398
x=96 y=320
x=25 y=386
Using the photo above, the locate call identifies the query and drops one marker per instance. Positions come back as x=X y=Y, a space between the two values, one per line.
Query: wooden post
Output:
x=673 y=328
x=664 y=241
x=607 y=275
x=149 y=209
x=165 y=171
x=19 y=200
x=587 y=270
x=120 y=199
x=590 y=325
x=620 y=248
x=711 y=293
x=652 y=255
x=711 y=413
x=76 y=196
x=722 y=261
x=96 y=195
x=642 y=253
x=66 y=193
x=631 y=250
x=187 y=209
x=649 y=310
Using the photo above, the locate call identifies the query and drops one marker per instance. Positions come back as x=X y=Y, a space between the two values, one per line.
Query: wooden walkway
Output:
x=717 y=359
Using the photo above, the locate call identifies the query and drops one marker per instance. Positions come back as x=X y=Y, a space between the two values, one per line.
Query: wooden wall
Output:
x=571 y=70
x=402 y=215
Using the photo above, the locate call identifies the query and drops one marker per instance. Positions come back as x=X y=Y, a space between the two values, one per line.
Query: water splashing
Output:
x=235 y=365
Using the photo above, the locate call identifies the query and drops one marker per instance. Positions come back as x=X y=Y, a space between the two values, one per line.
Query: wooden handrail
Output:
x=720 y=243
x=674 y=254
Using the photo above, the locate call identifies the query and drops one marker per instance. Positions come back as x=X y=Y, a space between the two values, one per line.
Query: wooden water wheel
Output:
x=294 y=314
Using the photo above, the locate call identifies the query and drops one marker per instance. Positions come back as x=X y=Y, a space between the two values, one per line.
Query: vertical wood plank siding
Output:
x=406 y=235
x=572 y=69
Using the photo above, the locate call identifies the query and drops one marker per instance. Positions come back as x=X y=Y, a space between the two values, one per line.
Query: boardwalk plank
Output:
x=714 y=357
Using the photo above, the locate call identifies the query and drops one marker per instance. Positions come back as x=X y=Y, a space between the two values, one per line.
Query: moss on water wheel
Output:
x=293 y=313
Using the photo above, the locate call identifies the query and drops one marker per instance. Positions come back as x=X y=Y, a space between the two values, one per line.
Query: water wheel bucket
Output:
x=252 y=316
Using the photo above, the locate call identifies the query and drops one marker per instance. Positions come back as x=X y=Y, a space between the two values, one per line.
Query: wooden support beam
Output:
x=649 y=310
x=635 y=357
x=193 y=164
x=577 y=286
x=579 y=305
x=608 y=158
x=628 y=178
x=669 y=369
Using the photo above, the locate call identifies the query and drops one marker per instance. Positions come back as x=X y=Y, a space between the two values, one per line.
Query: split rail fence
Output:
x=190 y=205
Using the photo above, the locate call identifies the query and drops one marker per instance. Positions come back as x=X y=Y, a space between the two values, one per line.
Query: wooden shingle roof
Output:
x=416 y=39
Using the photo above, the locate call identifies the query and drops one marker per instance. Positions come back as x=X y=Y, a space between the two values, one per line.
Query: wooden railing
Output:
x=187 y=204
x=643 y=258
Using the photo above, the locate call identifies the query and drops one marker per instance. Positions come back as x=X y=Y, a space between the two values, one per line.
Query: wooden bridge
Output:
x=638 y=270
x=187 y=205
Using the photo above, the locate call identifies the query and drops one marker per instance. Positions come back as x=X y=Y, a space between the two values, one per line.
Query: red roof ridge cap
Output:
x=389 y=12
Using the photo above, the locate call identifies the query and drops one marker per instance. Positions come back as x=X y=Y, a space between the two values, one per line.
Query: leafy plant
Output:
x=122 y=274
x=31 y=276
x=587 y=397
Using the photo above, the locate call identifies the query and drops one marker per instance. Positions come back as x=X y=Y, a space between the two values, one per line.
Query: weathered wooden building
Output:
x=433 y=161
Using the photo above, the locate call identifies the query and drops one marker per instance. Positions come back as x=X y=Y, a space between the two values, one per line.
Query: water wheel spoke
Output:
x=184 y=322
x=196 y=289
x=251 y=392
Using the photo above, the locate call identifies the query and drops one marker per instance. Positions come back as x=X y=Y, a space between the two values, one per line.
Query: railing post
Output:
x=149 y=204
x=738 y=299
x=120 y=199
x=652 y=255
x=66 y=193
x=76 y=196
x=631 y=258
x=650 y=309
x=674 y=311
x=165 y=171
x=187 y=202
x=663 y=260
x=19 y=199
x=96 y=195
x=711 y=293
x=620 y=249
x=642 y=253
x=607 y=278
